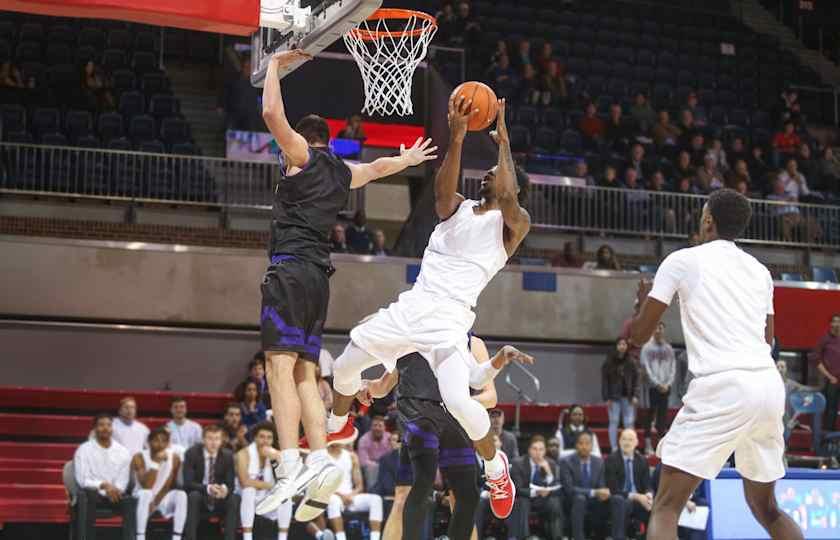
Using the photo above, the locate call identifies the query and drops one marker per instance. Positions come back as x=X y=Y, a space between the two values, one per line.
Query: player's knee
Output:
x=334 y=507
x=347 y=377
x=180 y=498
x=375 y=508
x=144 y=496
x=764 y=508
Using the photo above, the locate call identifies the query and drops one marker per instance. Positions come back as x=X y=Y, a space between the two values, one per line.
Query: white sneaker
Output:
x=327 y=479
x=288 y=484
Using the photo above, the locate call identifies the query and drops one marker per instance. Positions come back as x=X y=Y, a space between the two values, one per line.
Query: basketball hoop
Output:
x=388 y=57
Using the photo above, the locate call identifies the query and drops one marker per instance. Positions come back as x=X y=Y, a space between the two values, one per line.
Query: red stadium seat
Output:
x=38 y=451
x=60 y=426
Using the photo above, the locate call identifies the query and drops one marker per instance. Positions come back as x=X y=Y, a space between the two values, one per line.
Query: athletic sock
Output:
x=494 y=468
x=340 y=536
x=282 y=535
x=316 y=458
x=374 y=535
x=289 y=459
x=319 y=534
x=335 y=423
x=247 y=536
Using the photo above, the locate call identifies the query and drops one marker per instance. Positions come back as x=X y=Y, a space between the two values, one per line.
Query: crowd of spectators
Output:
x=357 y=238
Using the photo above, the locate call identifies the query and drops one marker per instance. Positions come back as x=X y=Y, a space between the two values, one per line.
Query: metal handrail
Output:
x=520 y=393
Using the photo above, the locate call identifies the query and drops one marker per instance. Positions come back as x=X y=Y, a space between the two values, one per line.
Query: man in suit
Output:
x=537 y=480
x=209 y=482
x=582 y=478
x=628 y=479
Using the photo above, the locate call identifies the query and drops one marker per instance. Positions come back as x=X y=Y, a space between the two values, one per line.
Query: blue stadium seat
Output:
x=174 y=131
x=123 y=80
x=119 y=39
x=554 y=118
x=86 y=53
x=154 y=83
x=144 y=62
x=92 y=36
x=5 y=50
x=114 y=59
x=64 y=78
x=645 y=58
x=14 y=117
x=18 y=137
x=46 y=120
x=62 y=34
x=132 y=103
x=88 y=141
x=527 y=116
x=185 y=149
x=792 y=276
x=8 y=30
x=54 y=139
x=144 y=41
x=78 y=124
x=520 y=138
x=59 y=53
x=110 y=126
x=28 y=51
x=823 y=274
x=164 y=105
x=120 y=143
x=31 y=32
x=142 y=129
x=570 y=141
x=151 y=146
x=545 y=139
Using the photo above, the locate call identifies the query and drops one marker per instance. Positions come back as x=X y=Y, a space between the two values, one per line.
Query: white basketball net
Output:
x=387 y=60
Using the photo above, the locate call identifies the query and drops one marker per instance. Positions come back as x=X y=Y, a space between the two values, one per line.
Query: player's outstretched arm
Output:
x=650 y=313
x=364 y=173
x=447 y=198
x=485 y=372
x=292 y=143
x=516 y=218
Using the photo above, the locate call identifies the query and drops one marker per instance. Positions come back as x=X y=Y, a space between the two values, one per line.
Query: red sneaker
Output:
x=502 y=492
x=346 y=435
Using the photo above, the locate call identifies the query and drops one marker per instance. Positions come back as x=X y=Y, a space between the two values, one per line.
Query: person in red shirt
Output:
x=592 y=127
x=827 y=354
x=787 y=141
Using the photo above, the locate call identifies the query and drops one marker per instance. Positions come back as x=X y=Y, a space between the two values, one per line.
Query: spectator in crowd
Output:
x=256 y=372
x=128 y=431
x=572 y=422
x=687 y=127
x=740 y=173
x=240 y=100
x=256 y=477
x=379 y=244
x=233 y=431
x=709 y=178
x=251 y=405
x=358 y=236
x=353 y=129
x=827 y=354
x=324 y=389
x=569 y=258
x=637 y=162
x=497 y=425
x=501 y=50
x=545 y=56
x=737 y=150
x=155 y=471
x=373 y=445
x=796 y=186
x=350 y=497
x=759 y=169
x=698 y=112
x=807 y=165
x=209 y=482
x=642 y=113
x=10 y=76
x=389 y=468
x=522 y=57
x=697 y=149
x=786 y=142
x=467 y=29
x=95 y=88
x=697 y=500
x=338 y=239
x=829 y=172
x=537 y=480
x=659 y=363
x=582 y=171
x=446 y=23
x=788 y=214
x=530 y=91
x=619 y=134
x=591 y=127
x=391 y=473
x=605 y=259
x=628 y=479
x=790 y=109
x=552 y=449
x=183 y=431
x=101 y=467
x=503 y=78
x=582 y=478
x=791 y=386
x=684 y=168
x=619 y=388
x=610 y=178
x=716 y=149
x=553 y=85
x=664 y=132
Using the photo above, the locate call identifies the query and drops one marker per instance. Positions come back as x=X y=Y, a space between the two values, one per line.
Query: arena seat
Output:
x=32 y=451
x=61 y=426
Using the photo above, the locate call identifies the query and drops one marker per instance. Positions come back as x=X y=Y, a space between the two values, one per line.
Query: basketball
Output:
x=484 y=99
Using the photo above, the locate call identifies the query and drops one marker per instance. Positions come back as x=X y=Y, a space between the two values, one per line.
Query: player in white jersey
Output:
x=155 y=471
x=471 y=244
x=736 y=401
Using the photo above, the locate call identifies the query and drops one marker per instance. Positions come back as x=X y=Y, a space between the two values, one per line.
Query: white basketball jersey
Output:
x=164 y=471
x=463 y=255
x=345 y=464
x=255 y=472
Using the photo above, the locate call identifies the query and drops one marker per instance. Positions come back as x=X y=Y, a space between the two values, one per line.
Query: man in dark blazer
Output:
x=537 y=480
x=209 y=482
x=628 y=479
x=582 y=477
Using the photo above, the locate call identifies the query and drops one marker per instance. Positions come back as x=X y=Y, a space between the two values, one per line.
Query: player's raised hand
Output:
x=460 y=111
x=419 y=152
x=363 y=395
x=500 y=134
x=508 y=354
x=289 y=57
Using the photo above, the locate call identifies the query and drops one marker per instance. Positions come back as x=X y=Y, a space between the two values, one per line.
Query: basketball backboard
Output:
x=311 y=28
